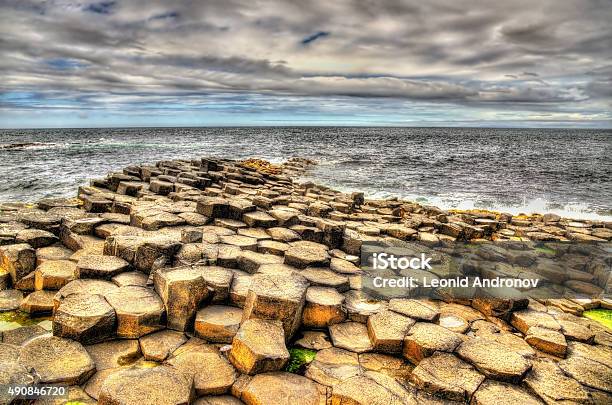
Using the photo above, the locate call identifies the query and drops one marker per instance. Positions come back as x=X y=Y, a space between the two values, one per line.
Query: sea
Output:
x=563 y=171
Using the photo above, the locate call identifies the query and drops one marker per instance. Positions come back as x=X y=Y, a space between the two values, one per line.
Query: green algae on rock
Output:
x=601 y=315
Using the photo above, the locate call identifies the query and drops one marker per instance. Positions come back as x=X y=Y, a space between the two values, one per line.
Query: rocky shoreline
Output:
x=194 y=281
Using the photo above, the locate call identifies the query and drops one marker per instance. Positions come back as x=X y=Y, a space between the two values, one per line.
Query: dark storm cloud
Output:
x=552 y=53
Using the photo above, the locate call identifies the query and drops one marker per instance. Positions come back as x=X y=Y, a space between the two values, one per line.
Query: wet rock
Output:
x=212 y=373
x=415 y=309
x=38 y=302
x=259 y=346
x=158 y=346
x=57 y=360
x=387 y=330
x=86 y=318
x=277 y=388
x=54 y=274
x=494 y=359
x=114 y=353
x=547 y=340
x=351 y=336
x=424 y=339
x=217 y=323
x=19 y=260
x=315 y=340
x=279 y=297
x=323 y=307
x=302 y=257
x=36 y=238
x=162 y=385
x=493 y=392
x=139 y=311
x=99 y=266
x=182 y=290
x=446 y=376
x=10 y=300
x=549 y=382
x=332 y=366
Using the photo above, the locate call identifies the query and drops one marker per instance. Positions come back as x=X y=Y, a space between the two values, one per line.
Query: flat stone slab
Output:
x=493 y=392
x=546 y=340
x=38 y=302
x=134 y=278
x=86 y=318
x=19 y=260
x=157 y=346
x=523 y=320
x=36 y=238
x=332 y=366
x=424 y=339
x=278 y=388
x=114 y=353
x=100 y=266
x=54 y=274
x=217 y=323
x=494 y=359
x=551 y=384
x=302 y=257
x=387 y=330
x=371 y=388
x=55 y=252
x=447 y=376
x=259 y=346
x=162 y=385
x=315 y=340
x=324 y=277
x=139 y=311
x=591 y=367
x=324 y=307
x=218 y=400
x=415 y=309
x=212 y=373
x=351 y=336
x=10 y=300
x=21 y=335
x=87 y=286
x=57 y=360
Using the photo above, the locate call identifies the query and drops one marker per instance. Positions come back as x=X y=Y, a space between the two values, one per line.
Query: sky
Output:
x=513 y=63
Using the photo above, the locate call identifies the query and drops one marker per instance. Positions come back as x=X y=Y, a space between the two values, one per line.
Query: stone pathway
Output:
x=189 y=281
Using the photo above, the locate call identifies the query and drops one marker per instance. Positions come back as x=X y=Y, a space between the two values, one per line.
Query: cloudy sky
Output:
x=318 y=62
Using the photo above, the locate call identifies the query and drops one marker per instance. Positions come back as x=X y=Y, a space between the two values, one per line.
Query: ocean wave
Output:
x=28 y=145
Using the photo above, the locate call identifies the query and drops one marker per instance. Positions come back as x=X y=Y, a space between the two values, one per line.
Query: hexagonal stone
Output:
x=285 y=217
x=272 y=247
x=493 y=392
x=424 y=339
x=135 y=278
x=213 y=207
x=182 y=290
x=21 y=335
x=86 y=318
x=283 y=234
x=10 y=300
x=371 y=388
x=11 y=372
x=547 y=340
x=576 y=332
x=302 y=257
x=256 y=233
x=453 y=323
x=212 y=373
x=552 y=385
x=494 y=359
x=161 y=187
x=259 y=346
x=259 y=219
x=446 y=376
x=343 y=266
x=251 y=261
x=38 y=302
x=19 y=260
x=590 y=365
x=139 y=311
x=54 y=274
x=218 y=281
x=55 y=252
x=162 y=385
x=386 y=364
x=277 y=296
x=360 y=305
x=323 y=307
x=114 y=353
x=415 y=309
x=351 y=336
x=332 y=366
x=314 y=339
x=36 y=238
x=100 y=287
x=278 y=388
x=218 y=323
x=57 y=360
x=100 y=266
x=157 y=346
x=218 y=400
x=241 y=282
x=387 y=330
x=523 y=320
x=324 y=277
x=240 y=241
